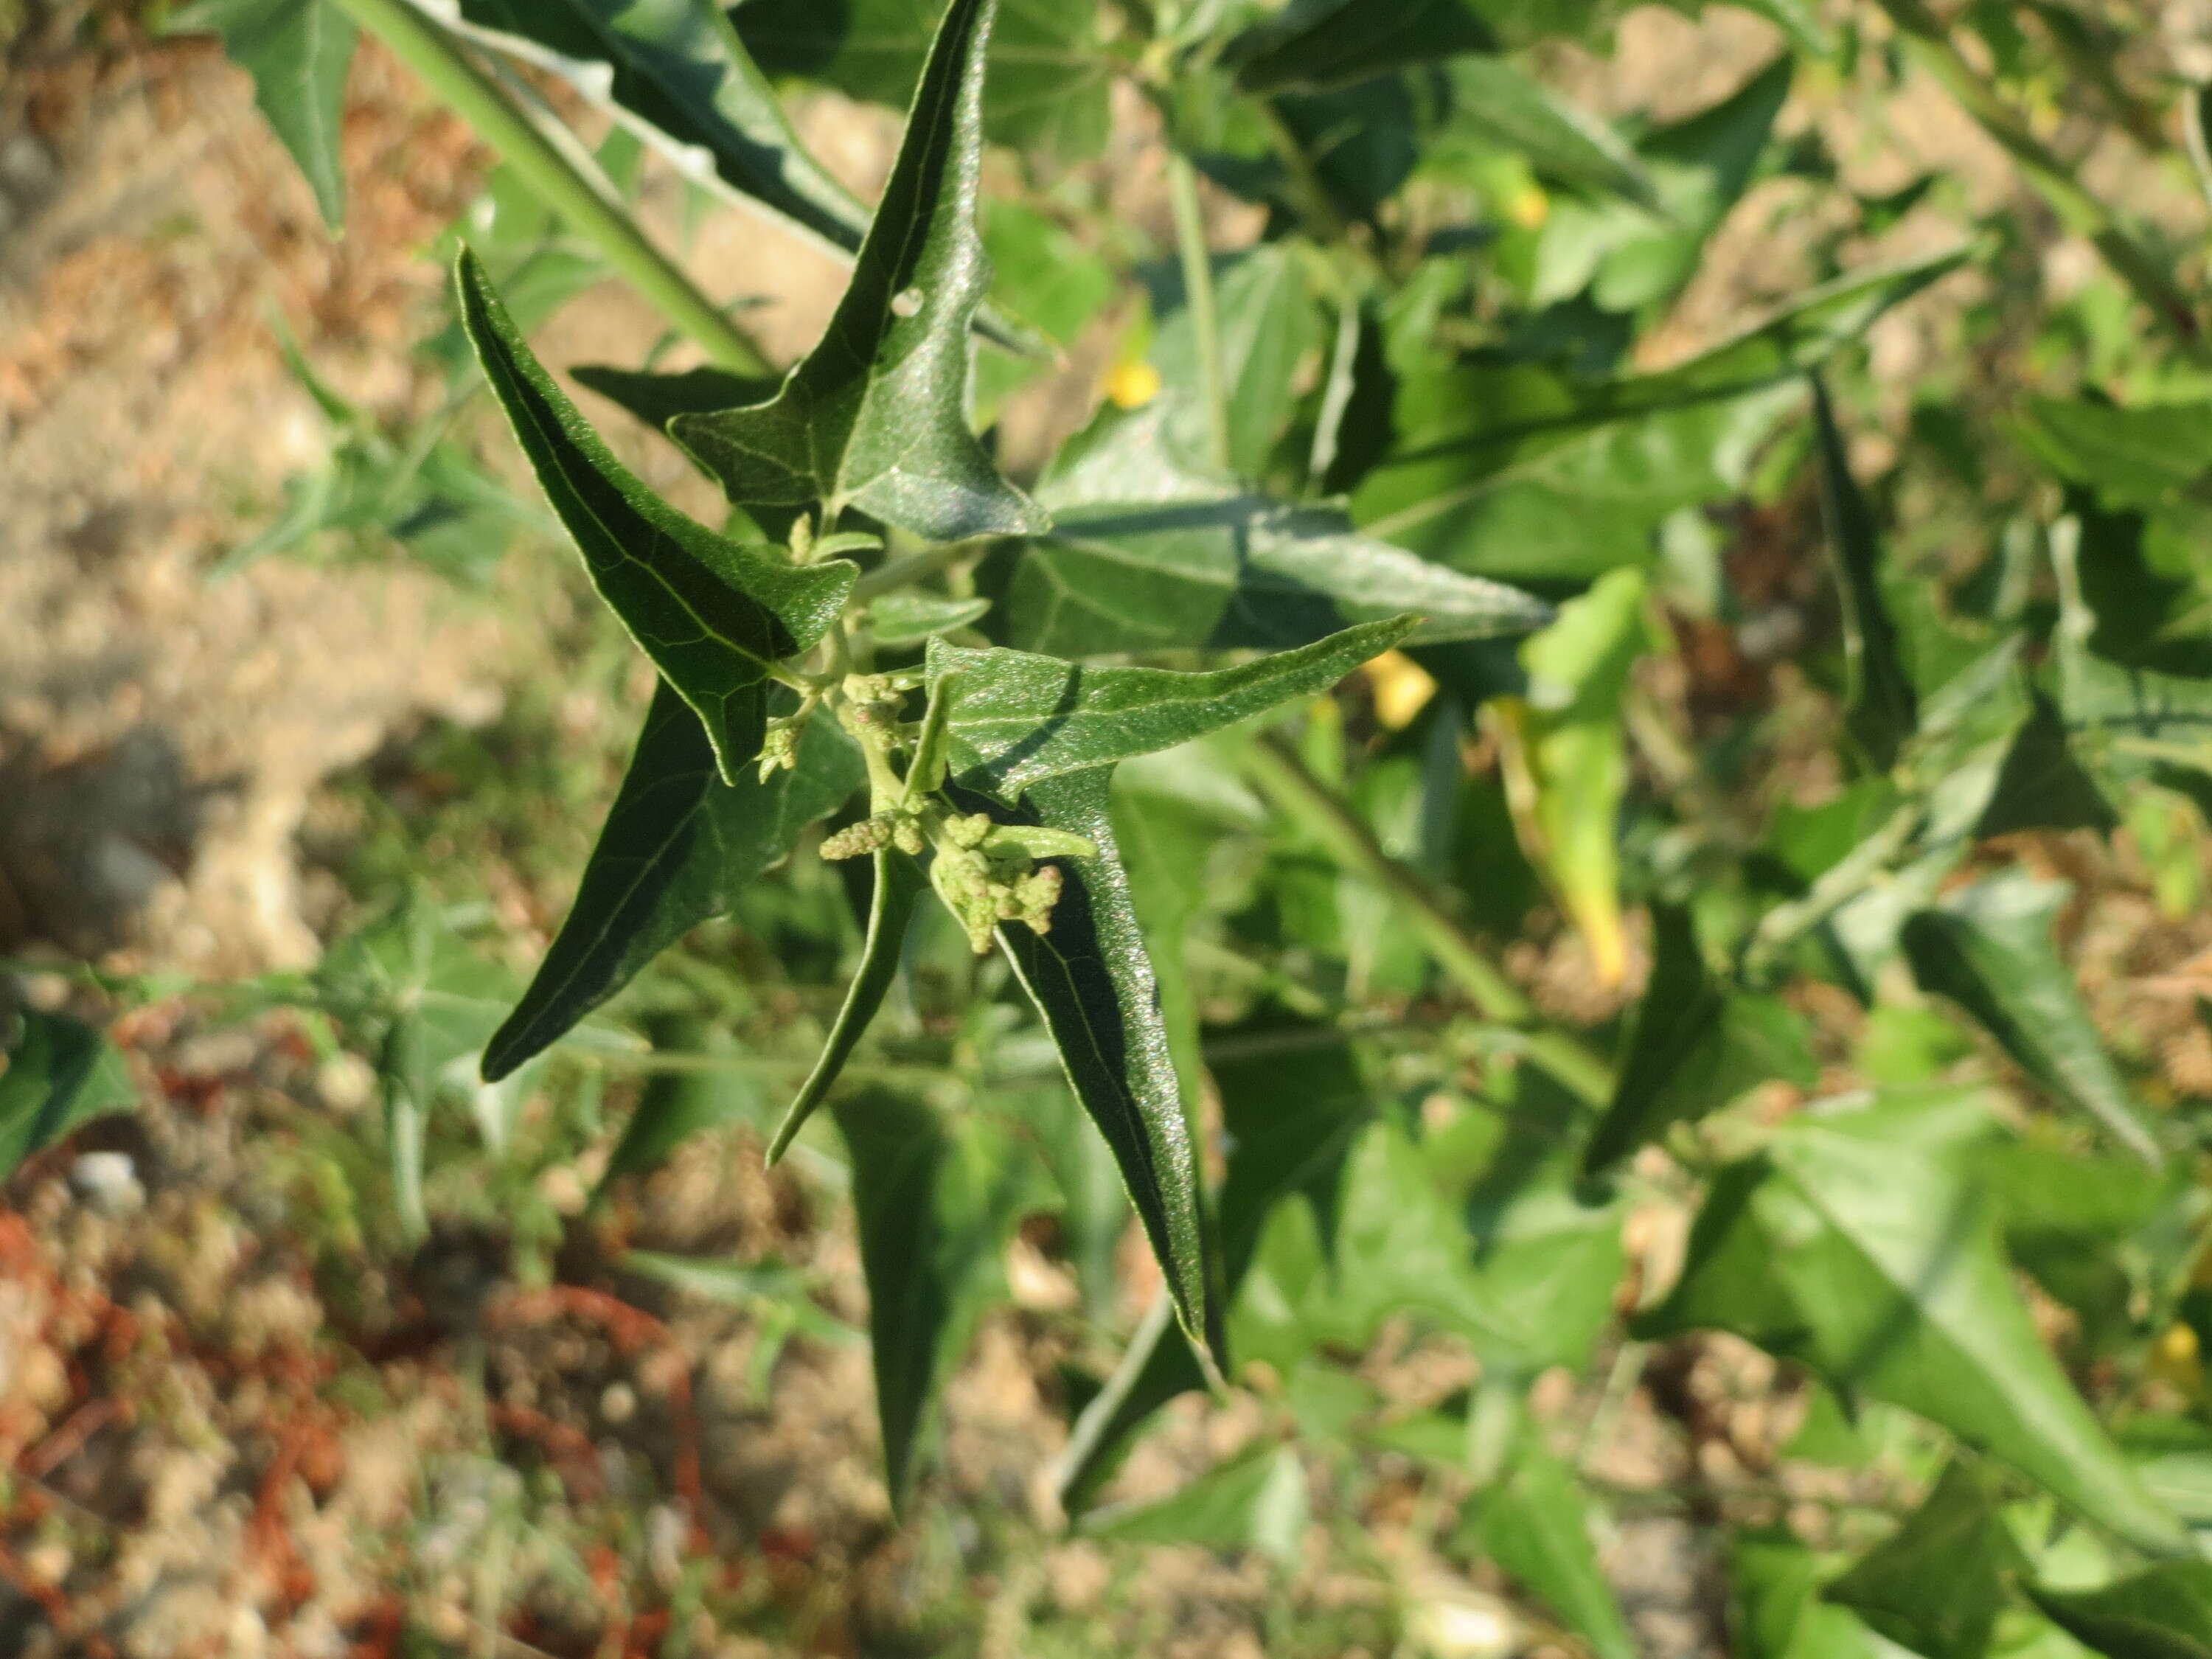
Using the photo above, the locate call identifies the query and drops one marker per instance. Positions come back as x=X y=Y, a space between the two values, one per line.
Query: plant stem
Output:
x=1296 y=791
x=1928 y=40
x=425 y=47
x=1842 y=882
x=1205 y=318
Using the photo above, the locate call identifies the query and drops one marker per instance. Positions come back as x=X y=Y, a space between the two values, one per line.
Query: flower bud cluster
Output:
x=984 y=886
x=901 y=830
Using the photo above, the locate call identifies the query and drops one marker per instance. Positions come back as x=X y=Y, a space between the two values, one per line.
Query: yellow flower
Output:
x=1402 y=688
x=1132 y=385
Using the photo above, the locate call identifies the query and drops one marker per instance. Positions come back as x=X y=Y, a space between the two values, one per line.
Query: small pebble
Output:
x=109 y=1182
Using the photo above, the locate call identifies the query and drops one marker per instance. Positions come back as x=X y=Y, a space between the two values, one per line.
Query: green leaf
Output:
x=1292 y=1102
x=61 y=1072
x=1257 y=1501
x=899 y=884
x=1318 y=44
x=910 y=618
x=1872 y=1258
x=935 y=1201
x=2137 y=457
x=1776 y=1611
x=1988 y=949
x=1092 y=980
x=1267 y=325
x=658 y=398
x=681 y=78
x=415 y=993
x=1937 y=1583
x=298 y=52
x=2125 y=724
x=2144 y=577
x=1506 y=1261
x=715 y=617
x=1503 y=103
x=875 y=416
x=1571 y=745
x=1882 y=708
x=1516 y=473
x=675 y=1105
x=2165 y=1612
x=1179 y=561
x=1535 y=1524
x=1695 y=1046
x=677 y=847
x=1050 y=71
x=1017 y=719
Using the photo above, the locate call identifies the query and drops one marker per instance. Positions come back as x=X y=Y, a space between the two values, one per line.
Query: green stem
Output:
x=1785 y=924
x=417 y=41
x=1205 y=318
x=1929 y=41
x=1298 y=792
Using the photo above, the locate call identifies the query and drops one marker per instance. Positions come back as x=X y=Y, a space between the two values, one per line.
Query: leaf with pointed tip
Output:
x=934 y=1199
x=1523 y=476
x=1695 y=1046
x=2163 y=1612
x=677 y=846
x=875 y=416
x=658 y=398
x=1883 y=706
x=298 y=52
x=1988 y=948
x=61 y=1072
x=1293 y=1103
x=1854 y=1246
x=2123 y=723
x=1050 y=70
x=1257 y=1500
x=1182 y=561
x=1497 y=99
x=1017 y=719
x=899 y=884
x=676 y=73
x=910 y=618
x=1535 y=1524
x=715 y=617
x=1937 y=1583
x=1333 y=43
x=1091 y=980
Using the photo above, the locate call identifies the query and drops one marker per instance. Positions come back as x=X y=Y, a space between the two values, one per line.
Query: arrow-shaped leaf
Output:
x=715 y=617
x=899 y=884
x=675 y=69
x=2165 y=1612
x=1016 y=719
x=934 y=1199
x=677 y=846
x=298 y=52
x=61 y=1072
x=1091 y=980
x=1884 y=708
x=1694 y=1048
x=875 y=416
x=1872 y=1257
x=1535 y=1524
x=1147 y=556
x=1937 y=1583
x=1988 y=947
